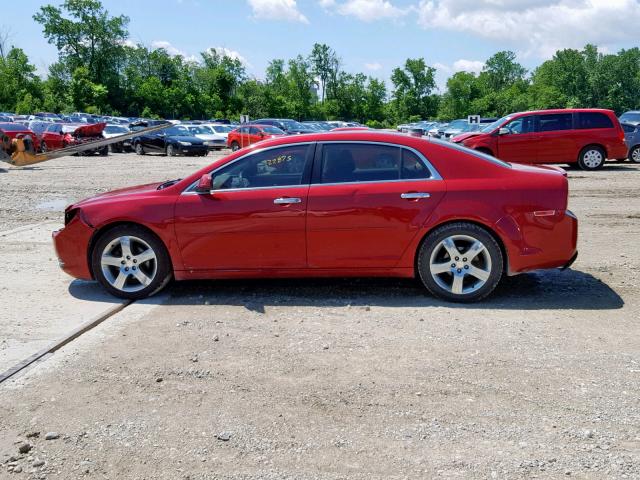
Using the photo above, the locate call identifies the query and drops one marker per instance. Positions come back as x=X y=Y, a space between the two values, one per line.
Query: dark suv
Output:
x=172 y=141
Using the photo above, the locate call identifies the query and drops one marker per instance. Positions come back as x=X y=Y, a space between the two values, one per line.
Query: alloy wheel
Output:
x=635 y=155
x=129 y=263
x=460 y=264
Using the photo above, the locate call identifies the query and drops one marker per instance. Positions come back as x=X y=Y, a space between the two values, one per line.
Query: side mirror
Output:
x=205 y=184
x=504 y=131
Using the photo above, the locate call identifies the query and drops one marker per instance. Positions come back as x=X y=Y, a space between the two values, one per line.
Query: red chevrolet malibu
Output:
x=356 y=203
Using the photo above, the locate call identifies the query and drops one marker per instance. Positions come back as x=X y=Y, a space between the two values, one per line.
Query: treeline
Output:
x=99 y=71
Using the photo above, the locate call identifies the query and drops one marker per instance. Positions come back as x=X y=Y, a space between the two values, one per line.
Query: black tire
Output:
x=488 y=261
x=171 y=151
x=43 y=148
x=104 y=151
x=162 y=273
x=139 y=149
x=235 y=146
x=634 y=154
x=592 y=157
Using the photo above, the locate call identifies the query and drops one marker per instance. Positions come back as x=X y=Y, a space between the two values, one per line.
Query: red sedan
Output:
x=331 y=204
x=249 y=134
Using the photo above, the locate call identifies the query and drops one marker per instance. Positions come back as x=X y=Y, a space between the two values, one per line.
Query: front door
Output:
x=255 y=218
x=367 y=202
x=520 y=144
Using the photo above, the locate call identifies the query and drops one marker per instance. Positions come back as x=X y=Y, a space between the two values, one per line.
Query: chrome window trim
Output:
x=190 y=188
x=435 y=175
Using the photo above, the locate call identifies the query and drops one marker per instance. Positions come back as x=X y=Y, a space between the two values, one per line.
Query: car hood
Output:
x=137 y=189
x=463 y=136
x=186 y=138
x=94 y=130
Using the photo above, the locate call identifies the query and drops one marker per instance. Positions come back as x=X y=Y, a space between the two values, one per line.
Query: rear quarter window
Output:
x=587 y=120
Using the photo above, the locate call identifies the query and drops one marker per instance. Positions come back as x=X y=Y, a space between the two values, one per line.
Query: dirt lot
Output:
x=321 y=379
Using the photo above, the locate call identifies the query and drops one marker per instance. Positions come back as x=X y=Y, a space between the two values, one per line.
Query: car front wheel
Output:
x=130 y=262
x=591 y=158
x=171 y=151
x=634 y=154
x=460 y=262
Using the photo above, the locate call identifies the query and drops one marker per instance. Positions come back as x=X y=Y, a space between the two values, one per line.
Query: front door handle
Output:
x=286 y=200
x=415 y=195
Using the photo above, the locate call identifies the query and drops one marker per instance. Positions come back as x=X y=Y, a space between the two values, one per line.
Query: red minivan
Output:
x=585 y=137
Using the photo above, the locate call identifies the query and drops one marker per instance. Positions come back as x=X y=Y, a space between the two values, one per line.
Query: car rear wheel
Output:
x=171 y=151
x=634 y=154
x=139 y=149
x=591 y=158
x=130 y=262
x=460 y=262
x=43 y=147
x=235 y=146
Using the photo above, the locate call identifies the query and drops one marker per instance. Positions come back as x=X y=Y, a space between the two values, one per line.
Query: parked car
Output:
x=582 y=137
x=249 y=134
x=172 y=141
x=632 y=139
x=6 y=119
x=11 y=130
x=632 y=117
x=220 y=129
x=287 y=125
x=212 y=140
x=359 y=203
x=114 y=130
x=62 y=135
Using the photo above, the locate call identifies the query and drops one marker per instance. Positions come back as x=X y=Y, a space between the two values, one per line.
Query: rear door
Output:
x=557 y=139
x=367 y=201
x=520 y=144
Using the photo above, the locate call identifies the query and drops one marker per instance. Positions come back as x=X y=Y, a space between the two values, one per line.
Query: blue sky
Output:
x=372 y=36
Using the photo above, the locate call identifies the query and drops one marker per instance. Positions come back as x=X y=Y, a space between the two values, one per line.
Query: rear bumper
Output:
x=543 y=242
x=70 y=244
x=570 y=262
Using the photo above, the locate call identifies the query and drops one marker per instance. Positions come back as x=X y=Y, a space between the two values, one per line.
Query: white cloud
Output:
x=374 y=66
x=442 y=67
x=462 y=65
x=168 y=47
x=536 y=27
x=227 y=52
x=366 y=10
x=277 y=10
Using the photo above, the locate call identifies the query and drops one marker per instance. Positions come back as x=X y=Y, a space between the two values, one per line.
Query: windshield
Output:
x=177 y=130
x=272 y=130
x=492 y=126
x=633 y=117
x=221 y=128
x=292 y=125
x=200 y=130
x=471 y=127
x=115 y=129
x=458 y=124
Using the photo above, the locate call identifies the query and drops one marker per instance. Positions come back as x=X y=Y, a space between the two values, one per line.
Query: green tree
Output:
x=413 y=88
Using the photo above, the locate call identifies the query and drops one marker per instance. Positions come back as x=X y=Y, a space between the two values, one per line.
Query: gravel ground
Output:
x=341 y=379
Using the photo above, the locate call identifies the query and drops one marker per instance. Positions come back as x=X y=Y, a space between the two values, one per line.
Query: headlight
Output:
x=186 y=144
x=206 y=144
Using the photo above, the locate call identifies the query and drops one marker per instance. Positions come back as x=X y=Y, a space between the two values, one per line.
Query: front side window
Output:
x=521 y=125
x=628 y=128
x=254 y=131
x=555 y=121
x=277 y=167
x=588 y=120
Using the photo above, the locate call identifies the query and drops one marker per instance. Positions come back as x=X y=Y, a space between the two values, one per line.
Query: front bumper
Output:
x=192 y=149
x=71 y=245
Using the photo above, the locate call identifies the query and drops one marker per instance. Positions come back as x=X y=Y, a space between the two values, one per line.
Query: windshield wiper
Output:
x=168 y=183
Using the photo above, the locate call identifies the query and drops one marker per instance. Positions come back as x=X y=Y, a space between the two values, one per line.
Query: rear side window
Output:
x=554 y=122
x=348 y=163
x=254 y=131
x=593 y=120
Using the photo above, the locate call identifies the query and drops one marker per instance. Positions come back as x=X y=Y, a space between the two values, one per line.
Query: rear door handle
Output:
x=415 y=195
x=287 y=200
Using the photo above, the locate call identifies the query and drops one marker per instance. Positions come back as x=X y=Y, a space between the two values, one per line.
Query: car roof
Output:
x=562 y=110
